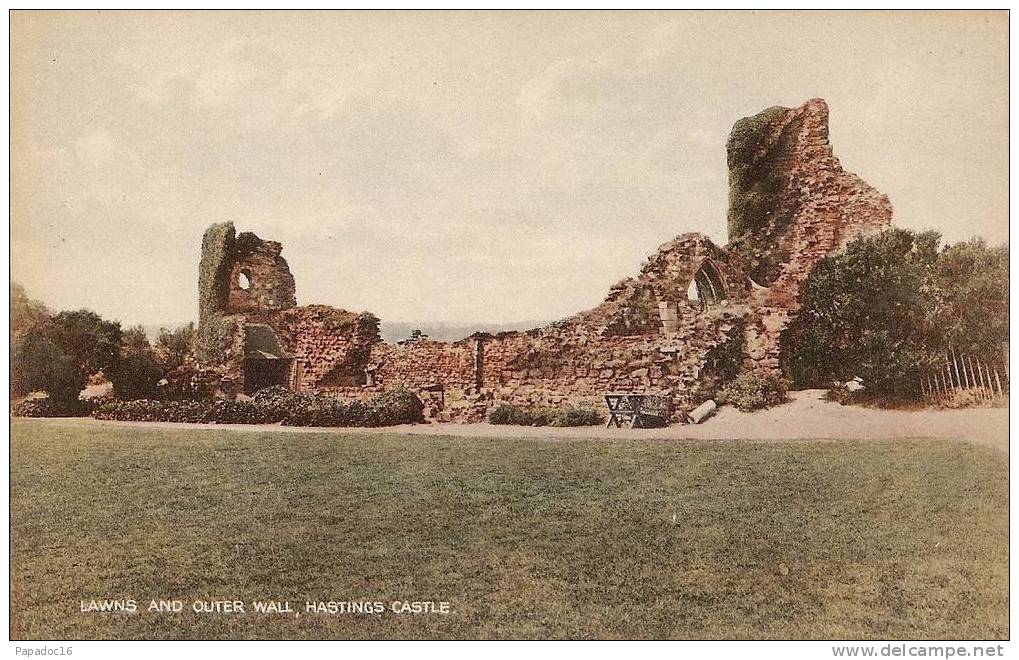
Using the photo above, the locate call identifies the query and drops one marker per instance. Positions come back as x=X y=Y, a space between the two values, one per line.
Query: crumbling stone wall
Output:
x=213 y=289
x=270 y=285
x=425 y=363
x=656 y=299
x=693 y=316
x=331 y=346
x=225 y=256
x=790 y=204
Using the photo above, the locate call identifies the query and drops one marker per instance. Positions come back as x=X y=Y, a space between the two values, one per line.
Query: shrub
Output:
x=26 y=314
x=507 y=414
x=540 y=416
x=274 y=405
x=189 y=382
x=839 y=394
x=971 y=399
x=91 y=343
x=397 y=406
x=134 y=341
x=135 y=376
x=579 y=416
x=754 y=390
x=38 y=363
x=175 y=348
x=888 y=306
x=48 y=406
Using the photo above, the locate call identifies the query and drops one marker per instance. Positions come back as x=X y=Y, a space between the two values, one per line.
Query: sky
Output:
x=461 y=167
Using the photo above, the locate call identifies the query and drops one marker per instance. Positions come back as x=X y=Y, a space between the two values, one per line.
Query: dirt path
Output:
x=807 y=416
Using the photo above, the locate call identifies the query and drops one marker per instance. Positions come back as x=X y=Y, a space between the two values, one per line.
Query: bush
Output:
x=511 y=415
x=578 y=416
x=888 y=306
x=507 y=414
x=134 y=341
x=274 y=405
x=26 y=314
x=175 y=348
x=48 y=406
x=135 y=377
x=840 y=394
x=396 y=406
x=91 y=343
x=38 y=363
x=754 y=390
x=189 y=382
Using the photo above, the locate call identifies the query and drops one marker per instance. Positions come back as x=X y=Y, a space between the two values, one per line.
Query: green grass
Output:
x=525 y=538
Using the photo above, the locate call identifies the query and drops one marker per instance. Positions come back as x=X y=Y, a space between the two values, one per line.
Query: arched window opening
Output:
x=691 y=292
x=244 y=280
x=707 y=286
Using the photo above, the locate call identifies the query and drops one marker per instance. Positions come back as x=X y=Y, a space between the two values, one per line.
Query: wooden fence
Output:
x=982 y=378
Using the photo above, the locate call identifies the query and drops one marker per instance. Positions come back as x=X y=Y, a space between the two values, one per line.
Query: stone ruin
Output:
x=695 y=315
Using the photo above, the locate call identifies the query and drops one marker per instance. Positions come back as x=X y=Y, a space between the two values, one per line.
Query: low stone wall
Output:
x=558 y=366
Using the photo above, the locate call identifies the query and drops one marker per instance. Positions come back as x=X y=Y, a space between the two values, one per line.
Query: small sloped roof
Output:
x=260 y=343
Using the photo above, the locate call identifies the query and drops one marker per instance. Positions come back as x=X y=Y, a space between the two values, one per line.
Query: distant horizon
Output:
x=456 y=165
x=442 y=323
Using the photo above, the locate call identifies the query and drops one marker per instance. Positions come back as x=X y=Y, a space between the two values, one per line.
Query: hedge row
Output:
x=569 y=416
x=49 y=407
x=275 y=405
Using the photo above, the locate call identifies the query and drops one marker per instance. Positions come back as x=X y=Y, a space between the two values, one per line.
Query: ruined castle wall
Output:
x=663 y=343
x=556 y=370
x=656 y=298
x=225 y=255
x=331 y=346
x=692 y=316
x=557 y=366
x=830 y=206
x=425 y=363
x=269 y=284
x=791 y=204
x=213 y=290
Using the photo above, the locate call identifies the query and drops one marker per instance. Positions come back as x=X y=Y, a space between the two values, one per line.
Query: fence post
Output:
x=960 y=375
x=972 y=373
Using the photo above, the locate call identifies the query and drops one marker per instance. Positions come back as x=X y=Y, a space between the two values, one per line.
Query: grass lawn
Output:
x=524 y=538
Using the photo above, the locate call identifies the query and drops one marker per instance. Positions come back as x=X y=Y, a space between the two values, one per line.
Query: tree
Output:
x=135 y=376
x=26 y=314
x=865 y=312
x=38 y=363
x=889 y=306
x=134 y=341
x=175 y=348
x=972 y=307
x=90 y=342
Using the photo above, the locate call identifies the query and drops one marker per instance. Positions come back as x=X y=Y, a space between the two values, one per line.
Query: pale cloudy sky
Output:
x=461 y=166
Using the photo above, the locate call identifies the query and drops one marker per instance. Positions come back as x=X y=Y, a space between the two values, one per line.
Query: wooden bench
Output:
x=637 y=411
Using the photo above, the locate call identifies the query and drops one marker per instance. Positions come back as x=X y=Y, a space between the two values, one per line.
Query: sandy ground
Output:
x=806 y=417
